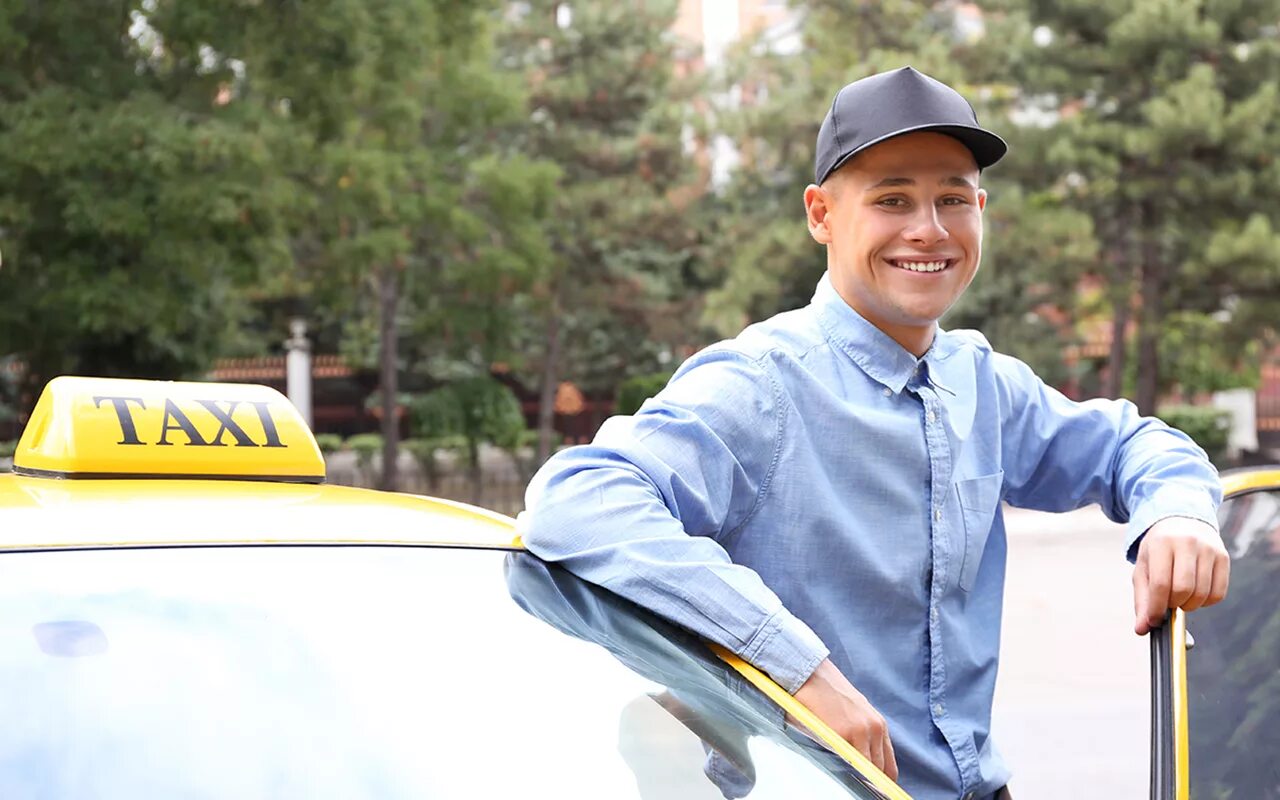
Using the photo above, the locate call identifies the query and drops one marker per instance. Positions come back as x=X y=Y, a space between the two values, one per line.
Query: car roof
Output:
x=108 y=462
x=43 y=513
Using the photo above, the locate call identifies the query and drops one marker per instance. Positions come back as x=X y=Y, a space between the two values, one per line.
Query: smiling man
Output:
x=821 y=494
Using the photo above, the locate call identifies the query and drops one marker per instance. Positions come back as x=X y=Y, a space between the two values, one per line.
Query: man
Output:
x=821 y=494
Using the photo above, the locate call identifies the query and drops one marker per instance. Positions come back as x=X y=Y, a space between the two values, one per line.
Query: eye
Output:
x=892 y=202
x=955 y=200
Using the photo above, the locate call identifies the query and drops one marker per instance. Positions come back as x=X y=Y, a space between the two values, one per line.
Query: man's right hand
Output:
x=829 y=695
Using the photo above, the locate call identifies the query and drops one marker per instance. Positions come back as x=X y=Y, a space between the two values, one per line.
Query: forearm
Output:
x=607 y=522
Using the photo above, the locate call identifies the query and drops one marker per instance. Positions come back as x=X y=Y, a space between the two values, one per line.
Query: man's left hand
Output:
x=1181 y=564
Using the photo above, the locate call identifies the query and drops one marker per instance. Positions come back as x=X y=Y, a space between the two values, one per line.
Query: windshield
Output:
x=1233 y=684
x=362 y=672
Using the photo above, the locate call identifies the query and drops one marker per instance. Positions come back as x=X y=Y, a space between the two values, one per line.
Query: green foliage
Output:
x=365 y=446
x=1204 y=354
x=1207 y=426
x=1168 y=145
x=329 y=443
x=634 y=391
x=8 y=448
x=135 y=209
x=621 y=281
x=476 y=409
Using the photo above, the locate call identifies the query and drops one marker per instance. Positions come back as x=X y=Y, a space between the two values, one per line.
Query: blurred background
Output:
x=471 y=231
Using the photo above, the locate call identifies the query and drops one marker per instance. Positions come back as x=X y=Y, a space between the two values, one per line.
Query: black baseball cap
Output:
x=879 y=107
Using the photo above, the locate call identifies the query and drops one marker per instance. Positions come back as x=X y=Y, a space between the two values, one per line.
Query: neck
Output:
x=914 y=340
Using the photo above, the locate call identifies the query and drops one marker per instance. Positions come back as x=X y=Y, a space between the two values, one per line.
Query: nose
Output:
x=925 y=227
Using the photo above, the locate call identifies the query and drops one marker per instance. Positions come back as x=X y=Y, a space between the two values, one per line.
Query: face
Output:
x=902 y=222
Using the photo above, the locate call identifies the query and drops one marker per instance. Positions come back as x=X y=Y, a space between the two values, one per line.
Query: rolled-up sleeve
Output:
x=1060 y=454
x=642 y=510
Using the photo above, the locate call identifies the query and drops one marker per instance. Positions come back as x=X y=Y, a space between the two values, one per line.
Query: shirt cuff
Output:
x=786 y=649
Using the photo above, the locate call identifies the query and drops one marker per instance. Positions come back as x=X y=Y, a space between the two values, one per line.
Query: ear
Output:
x=982 y=199
x=817 y=205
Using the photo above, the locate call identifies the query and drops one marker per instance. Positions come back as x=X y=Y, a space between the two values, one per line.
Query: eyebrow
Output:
x=954 y=180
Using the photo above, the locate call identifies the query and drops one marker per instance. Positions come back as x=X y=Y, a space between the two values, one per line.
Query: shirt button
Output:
x=933 y=614
x=931 y=416
x=888 y=392
x=937 y=709
x=937 y=514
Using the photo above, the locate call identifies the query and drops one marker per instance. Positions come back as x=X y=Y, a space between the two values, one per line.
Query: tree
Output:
x=1167 y=125
x=606 y=107
x=476 y=411
x=412 y=202
x=134 y=203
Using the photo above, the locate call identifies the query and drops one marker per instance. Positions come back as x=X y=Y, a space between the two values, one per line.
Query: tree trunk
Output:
x=388 y=383
x=1119 y=346
x=475 y=472
x=1153 y=277
x=550 y=380
x=1122 y=255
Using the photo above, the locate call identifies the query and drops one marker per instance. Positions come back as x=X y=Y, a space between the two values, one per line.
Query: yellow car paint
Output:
x=48 y=514
x=1234 y=483
x=108 y=427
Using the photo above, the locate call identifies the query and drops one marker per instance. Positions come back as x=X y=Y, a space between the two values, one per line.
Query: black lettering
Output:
x=268 y=425
x=172 y=412
x=128 y=433
x=228 y=424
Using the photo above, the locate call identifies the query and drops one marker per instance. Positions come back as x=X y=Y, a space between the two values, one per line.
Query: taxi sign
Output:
x=111 y=428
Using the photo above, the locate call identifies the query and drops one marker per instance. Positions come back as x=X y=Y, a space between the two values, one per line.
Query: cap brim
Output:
x=987 y=148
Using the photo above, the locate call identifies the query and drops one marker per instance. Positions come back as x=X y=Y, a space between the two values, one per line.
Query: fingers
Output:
x=1221 y=579
x=871 y=738
x=1140 y=596
x=890 y=761
x=1202 y=584
x=1159 y=584
x=1183 y=573
x=874 y=745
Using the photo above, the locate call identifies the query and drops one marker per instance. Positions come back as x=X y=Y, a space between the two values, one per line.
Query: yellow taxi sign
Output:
x=110 y=427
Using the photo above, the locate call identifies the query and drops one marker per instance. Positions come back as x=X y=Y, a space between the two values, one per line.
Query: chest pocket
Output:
x=978 y=498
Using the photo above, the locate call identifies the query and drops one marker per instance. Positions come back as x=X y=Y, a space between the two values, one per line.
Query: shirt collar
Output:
x=880 y=357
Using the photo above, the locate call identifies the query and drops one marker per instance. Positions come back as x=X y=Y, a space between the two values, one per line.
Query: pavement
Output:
x=1072 y=707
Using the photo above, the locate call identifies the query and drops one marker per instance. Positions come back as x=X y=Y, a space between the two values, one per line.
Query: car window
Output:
x=1233 y=680
x=351 y=672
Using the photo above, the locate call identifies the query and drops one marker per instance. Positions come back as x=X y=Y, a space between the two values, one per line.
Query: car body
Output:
x=186 y=609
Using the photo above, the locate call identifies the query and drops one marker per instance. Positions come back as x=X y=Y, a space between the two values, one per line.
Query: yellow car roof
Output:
x=109 y=462
x=43 y=513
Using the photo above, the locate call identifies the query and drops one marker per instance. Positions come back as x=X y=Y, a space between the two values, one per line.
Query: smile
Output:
x=922 y=266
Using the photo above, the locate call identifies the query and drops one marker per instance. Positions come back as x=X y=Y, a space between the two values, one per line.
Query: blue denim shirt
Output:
x=810 y=488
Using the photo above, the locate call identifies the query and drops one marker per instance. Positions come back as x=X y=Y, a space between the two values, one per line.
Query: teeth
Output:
x=922 y=266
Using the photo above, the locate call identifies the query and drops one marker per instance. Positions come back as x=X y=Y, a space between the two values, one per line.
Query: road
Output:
x=1073 y=697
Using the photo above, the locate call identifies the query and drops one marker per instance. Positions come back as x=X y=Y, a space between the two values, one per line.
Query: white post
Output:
x=298 y=368
x=1243 y=405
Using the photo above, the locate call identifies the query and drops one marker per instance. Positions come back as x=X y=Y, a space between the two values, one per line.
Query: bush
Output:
x=329 y=443
x=365 y=446
x=634 y=391
x=1207 y=426
x=7 y=449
